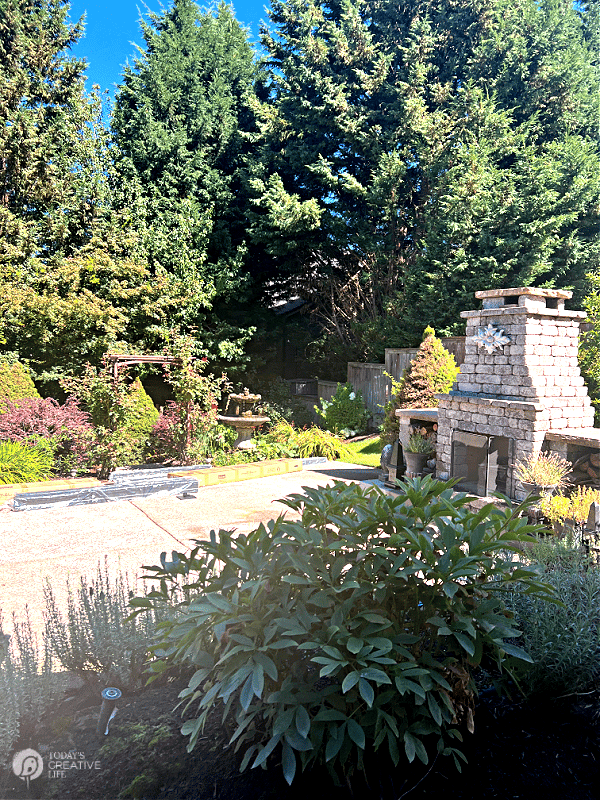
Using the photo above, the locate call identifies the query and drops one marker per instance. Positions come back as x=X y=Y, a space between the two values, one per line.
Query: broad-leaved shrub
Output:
x=350 y=631
x=345 y=413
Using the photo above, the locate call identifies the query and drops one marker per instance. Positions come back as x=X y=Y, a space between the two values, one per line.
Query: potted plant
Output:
x=416 y=453
x=542 y=473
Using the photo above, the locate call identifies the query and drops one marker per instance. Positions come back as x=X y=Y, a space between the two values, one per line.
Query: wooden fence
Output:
x=326 y=389
x=370 y=379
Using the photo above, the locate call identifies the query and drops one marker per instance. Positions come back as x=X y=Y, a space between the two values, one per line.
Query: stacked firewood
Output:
x=586 y=471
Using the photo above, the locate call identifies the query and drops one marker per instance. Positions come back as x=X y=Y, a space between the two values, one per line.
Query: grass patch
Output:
x=366 y=452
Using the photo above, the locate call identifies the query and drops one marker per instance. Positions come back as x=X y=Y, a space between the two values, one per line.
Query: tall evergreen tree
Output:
x=431 y=148
x=183 y=121
x=74 y=277
x=44 y=210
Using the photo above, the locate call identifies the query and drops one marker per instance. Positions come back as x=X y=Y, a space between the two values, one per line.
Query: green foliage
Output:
x=313 y=441
x=25 y=463
x=141 y=413
x=122 y=414
x=91 y=255
x=431 y=162
x=432 y=371
x=43 y=136
x=145 y=743
x=307 y=442
x=345 y=413
x=194 y=431
x=573 y=509
x=93 y=638
x=354 y=628
x=563 y=640
x=417 y=443
x=72 y=312
x=183 y=123
x=543 y=469
x=209 y=439
x=15 y=382
x=265 y=450
x=589 y=343
x=278 y=403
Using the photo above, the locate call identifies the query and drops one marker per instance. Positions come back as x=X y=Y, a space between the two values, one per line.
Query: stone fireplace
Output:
x=518 y=388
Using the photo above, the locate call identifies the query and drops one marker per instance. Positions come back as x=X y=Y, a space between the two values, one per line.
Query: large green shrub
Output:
x=122 y=413
x=15 y=382
x=432 y=371
x=349 y=631
x=345 y=413
x=24 y=463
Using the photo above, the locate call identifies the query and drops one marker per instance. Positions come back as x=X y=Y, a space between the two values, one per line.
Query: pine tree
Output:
x=74 y=273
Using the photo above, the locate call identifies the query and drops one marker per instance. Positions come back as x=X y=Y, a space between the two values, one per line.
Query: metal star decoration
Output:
x=491 y=338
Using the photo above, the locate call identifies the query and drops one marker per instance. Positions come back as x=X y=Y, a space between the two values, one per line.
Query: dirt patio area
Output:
x=67 y=543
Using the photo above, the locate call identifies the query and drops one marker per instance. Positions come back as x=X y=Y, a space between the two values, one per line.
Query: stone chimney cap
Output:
x=562 y=294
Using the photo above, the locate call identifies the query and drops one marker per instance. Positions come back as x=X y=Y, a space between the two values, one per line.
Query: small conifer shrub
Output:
x=15 y=382
x=142 y=415
x=432 y=371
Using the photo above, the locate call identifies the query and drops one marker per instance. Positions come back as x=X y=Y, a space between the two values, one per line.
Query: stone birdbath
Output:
x=243 y=418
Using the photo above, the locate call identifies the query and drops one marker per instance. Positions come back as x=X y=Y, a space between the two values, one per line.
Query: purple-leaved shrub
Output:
x=66 y=427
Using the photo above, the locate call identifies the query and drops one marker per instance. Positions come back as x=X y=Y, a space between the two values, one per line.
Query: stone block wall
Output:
x=538 y=365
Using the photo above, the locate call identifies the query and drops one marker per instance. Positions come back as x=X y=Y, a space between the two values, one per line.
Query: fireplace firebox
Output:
x=481 y=462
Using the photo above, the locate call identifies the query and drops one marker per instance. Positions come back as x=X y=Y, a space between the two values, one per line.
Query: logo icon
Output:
x=27 y=765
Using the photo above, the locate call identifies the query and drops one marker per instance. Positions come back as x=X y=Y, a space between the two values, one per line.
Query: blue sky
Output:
x=112 y=26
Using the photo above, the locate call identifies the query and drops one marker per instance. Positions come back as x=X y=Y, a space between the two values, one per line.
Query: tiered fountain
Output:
x=243 y=418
